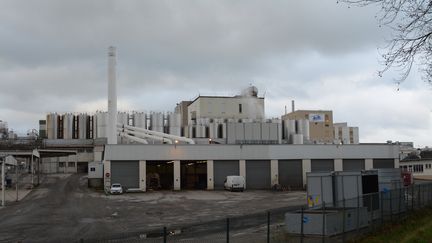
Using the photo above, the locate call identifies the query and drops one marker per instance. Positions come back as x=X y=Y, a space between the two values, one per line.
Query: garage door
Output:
x=353 y=164
x=383 y=163
x=126 y=173
x=290 y=173
x=222 y=169
x=322 y=165
x=258 y=174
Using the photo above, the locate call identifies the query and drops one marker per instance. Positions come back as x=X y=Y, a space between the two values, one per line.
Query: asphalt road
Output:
x=63 y=209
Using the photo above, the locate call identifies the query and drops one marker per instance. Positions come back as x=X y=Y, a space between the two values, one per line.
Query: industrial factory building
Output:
x=206 y=166
x=209 y=138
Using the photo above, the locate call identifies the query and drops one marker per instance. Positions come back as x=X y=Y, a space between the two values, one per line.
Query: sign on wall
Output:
x=316 y=117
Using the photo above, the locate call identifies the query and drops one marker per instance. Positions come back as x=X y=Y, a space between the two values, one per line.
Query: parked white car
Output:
x=234 y=183
x=116 y=188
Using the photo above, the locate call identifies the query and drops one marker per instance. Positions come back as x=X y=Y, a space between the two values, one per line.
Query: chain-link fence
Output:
x=337 y=221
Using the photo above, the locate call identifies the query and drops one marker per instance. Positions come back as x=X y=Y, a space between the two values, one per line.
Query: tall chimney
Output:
x=112 y=96
x=292 y=106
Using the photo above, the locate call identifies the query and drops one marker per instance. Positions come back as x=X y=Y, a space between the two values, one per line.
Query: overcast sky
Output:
x=53 y=58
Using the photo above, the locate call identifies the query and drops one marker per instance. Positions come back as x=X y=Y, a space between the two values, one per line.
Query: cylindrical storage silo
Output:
x=297 y=138
x=122 y=118
x=174 y=123
x=52 y=125
x=304 y=125
x=156 y=121
x=101 y=124
x=82 y=126
x=291 y=127
x=139 y=119
x=67 y=126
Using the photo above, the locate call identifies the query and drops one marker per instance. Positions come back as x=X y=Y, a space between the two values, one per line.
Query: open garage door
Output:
x=126 y=173
x=383 y=163
x=160 y=175
x=258 y=174
x=322 y=165
x=353 y=164
x=222 y=169
x=193 y=175
x=291 y=174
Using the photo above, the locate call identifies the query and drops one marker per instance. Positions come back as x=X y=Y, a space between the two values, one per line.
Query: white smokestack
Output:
x=112 y=97
x=292 y=106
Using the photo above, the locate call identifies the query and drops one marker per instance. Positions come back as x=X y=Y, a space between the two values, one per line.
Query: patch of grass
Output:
x=417 y=228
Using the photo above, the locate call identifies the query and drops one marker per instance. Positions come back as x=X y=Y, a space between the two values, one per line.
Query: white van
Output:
x=234 y=183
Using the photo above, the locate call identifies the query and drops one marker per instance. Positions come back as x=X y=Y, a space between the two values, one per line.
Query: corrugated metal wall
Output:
x=322 y=165
x=222 y=169
x=290 y=173
x=353 y=164
x=383 y=163
x=258 y=174
x=126 y=173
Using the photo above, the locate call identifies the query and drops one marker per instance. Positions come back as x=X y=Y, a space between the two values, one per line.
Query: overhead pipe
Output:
x=136 y=139
x=144 y=135
x=159 y=134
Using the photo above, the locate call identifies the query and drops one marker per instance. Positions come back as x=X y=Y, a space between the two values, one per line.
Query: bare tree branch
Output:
x=411 y=21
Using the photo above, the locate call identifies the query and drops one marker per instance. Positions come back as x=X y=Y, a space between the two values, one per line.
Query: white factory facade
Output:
x=207 y=139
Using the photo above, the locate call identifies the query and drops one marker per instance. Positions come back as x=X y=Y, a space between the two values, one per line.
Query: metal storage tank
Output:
x=101 y=124
x=248 y=130
x=297 y=138
x=213 y=130
x=123 y=118
x=139 y=119
x=67 y=125
x=174 y=123
x=291 y=173
x=265 y=131
x=157 y=121
x=258 y=175
x=200 y=131
x=222 y=169
x=322 y=165
x=52 y=125
x=304 y=129
x=82 y=125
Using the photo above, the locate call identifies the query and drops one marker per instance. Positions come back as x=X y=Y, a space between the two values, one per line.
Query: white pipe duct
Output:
x=136 y=139
x=145 y=135
x=159 y=134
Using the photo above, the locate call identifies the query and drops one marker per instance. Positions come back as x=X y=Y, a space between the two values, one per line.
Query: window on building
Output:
x=71 y=164
x=240 y=108
x=92 y=169
x=61 y=164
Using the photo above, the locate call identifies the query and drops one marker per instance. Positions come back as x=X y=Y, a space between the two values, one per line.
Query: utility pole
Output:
x=3 y=182
x=32 y=172
x=16 y=174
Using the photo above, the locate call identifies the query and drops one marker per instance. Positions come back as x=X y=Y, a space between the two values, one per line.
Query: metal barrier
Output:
x=336 y=222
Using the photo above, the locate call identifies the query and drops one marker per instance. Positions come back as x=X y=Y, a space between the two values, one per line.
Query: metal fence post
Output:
x=301 y=225
x=227 y=230
x=381 y=194
x=412 y=197
x=164 y=234
x=399 y=201
x=358 y=215
x=343 y=221
x=268 y=226
x=419 y=198
x=323 y=221
x=391 y=206
x=371 y=211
